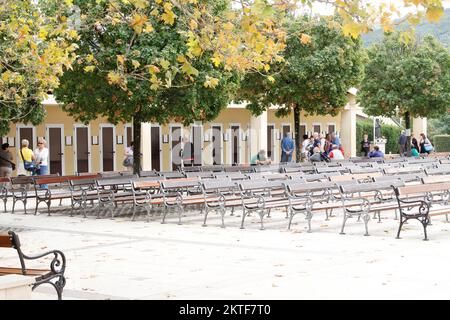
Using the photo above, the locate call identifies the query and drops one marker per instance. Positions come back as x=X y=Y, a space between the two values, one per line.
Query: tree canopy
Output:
x=35 y=49
x=320 y=68
x=406 y=79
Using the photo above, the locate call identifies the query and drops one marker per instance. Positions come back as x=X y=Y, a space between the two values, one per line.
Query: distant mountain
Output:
x=440 y=31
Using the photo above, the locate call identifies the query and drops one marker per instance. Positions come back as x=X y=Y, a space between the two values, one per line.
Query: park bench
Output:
x=218 y=195
x=415 y=202
x=261 y=196
x=53 y=275
x=111 y=190
x=372 y=197
x=178 y=194
x=21 y=187
x=56 y=188
x=302 y=197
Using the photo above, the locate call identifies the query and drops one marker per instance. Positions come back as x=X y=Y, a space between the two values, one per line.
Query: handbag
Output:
x=128 y=161
x=429 y=148
x=28 y=165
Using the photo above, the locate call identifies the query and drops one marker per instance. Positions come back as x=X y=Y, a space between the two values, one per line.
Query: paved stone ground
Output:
x=120 y=259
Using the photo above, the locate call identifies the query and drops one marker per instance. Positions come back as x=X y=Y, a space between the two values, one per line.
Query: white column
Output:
x=146 y=146
x=420 y=125
x=348 y=128
x=258 y=134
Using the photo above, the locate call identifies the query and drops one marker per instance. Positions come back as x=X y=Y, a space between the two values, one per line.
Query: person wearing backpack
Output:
x=27 y=164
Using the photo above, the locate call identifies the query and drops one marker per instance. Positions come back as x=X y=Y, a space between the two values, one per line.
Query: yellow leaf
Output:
x=153 y=69
x=164 y=63
x=271 y=79
x=434 y=13
x=113 y=77
x=305 y=39
x=216 y=60
x=120 y=59
x=135 y=64
x=89 y=68
x=148 y=28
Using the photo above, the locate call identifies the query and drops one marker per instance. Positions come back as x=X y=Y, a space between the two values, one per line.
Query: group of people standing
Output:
x=29 y=162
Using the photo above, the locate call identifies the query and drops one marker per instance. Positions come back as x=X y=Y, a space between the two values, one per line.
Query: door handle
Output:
x=60 y=154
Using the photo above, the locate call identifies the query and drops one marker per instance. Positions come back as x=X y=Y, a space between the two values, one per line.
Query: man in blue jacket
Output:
x=376 y=153
x=287 y=148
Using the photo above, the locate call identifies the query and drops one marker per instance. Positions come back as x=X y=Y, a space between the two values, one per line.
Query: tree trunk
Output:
x=298 y=149
x=408 y=139
x=137 y=121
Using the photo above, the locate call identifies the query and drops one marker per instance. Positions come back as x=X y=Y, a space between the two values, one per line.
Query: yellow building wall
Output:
x=230 y=116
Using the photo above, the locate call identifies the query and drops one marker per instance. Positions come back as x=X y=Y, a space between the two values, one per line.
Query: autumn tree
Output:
x=322 y=64
x=406 y=79
x=35 y=49
x=142 y=71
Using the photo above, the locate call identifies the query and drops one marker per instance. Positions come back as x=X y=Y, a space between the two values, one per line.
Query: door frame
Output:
x=274 y=147
x=170 y=140
x=75 y=142
x=160 y=144
x=316 y=124
x=63 y=144
x=18 y=143
x=230 y=157
x=332 y=124
x=107 y=125
x=125 y=134
x=191 y=139
x=221 y=140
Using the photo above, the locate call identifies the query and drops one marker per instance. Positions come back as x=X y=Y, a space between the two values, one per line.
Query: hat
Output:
x=5 y=146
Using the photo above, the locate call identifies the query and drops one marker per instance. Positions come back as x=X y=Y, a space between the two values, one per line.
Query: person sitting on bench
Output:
x=260 y=158
x=376 y=153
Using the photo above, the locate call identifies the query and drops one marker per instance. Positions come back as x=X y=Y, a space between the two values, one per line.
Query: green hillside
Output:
x=440 y=30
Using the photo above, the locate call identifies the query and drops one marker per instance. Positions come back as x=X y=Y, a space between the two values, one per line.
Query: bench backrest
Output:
x=436 y=179
x=438 y=172
x=370 y=187
x=300 y=169
x=6 y=241
x=172 y=175
x=145 y=174
x=187 y=183
x=263 y=185
x=218 y=185
x=331 y=169
x=201 y=174
x=356 y=177
x=423 y=188
x=191 y=169
x=295 y=187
